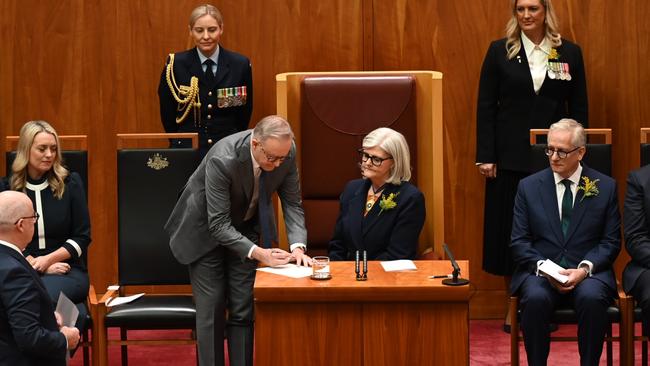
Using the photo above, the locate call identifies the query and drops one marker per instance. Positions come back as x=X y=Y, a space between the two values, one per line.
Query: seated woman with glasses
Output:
x=62 y=232
x=382 y=213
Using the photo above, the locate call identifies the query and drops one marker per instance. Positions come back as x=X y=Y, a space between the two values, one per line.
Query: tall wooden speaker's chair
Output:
x=330 y=113
x=599 y=157
x=149 y=183
x=74 y=150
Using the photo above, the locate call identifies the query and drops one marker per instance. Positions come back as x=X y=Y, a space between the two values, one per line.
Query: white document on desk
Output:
x=552 y=269
x=399 y=265
x=123 y=300
x=288 y=270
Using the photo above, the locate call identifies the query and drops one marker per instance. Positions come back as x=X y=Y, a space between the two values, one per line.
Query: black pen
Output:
x=441 y=276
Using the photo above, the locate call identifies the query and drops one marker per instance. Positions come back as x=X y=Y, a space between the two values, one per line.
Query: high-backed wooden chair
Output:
x=149 y=183
x=635 y=314
x=645 y=146
x=74 y=150
x=598 y=156
x=330 y=113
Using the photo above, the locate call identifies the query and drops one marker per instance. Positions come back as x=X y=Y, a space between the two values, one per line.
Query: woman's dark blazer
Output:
x=388 y=235
x=233 y=70
x=508 y=106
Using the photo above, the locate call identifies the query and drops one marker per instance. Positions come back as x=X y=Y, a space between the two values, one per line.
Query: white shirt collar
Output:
x=256 y=165
x=574 y=178
x=8 y=244
x=214 y=57
x=529 y=46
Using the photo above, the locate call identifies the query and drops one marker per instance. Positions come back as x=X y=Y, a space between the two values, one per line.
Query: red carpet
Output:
x=489 y=346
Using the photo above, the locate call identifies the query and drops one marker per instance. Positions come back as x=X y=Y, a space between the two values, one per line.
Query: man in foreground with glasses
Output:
x=567 y=214
x=29 y=331
x=223 y=224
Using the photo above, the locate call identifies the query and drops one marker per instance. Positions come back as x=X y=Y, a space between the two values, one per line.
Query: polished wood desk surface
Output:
x=380 y=286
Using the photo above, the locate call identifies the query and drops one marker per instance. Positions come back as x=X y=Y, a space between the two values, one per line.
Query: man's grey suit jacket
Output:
x=211 y=209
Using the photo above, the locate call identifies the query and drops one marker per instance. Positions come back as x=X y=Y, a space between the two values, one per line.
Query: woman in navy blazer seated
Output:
x=62 y=232
x=530 y=79
x=382 y=213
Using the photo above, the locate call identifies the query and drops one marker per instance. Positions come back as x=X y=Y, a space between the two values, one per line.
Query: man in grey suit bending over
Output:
x=223 y=225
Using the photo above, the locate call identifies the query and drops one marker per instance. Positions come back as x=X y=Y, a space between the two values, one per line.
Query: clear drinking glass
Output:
x=321 y=267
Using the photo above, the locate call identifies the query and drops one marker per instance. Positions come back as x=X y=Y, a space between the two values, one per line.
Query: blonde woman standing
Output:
x=530 y=79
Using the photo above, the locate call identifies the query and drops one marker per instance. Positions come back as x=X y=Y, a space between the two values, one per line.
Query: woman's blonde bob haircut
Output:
x=55 y=176
x=394 y=144
x=206 y=9
x=513 y=32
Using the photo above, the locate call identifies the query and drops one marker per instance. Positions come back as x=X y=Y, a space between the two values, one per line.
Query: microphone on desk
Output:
x=454 y=280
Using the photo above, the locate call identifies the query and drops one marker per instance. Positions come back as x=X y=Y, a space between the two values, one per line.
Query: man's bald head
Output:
x=14 y=206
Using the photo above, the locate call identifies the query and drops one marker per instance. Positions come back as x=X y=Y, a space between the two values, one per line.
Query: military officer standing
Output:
x=206 y=89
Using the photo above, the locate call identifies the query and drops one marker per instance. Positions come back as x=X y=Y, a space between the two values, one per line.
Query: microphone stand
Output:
x=455 y=280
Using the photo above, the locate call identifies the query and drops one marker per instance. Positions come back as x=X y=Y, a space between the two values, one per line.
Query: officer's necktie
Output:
x=209 y=75
x=264 y=212
x=567 y=206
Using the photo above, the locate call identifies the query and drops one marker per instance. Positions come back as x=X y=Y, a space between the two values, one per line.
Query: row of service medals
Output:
x=231 y=97
x=558 y=70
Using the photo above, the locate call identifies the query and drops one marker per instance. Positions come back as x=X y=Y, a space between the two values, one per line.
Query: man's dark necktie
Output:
x=264 y=212
x=567 y=206
x=209 y=75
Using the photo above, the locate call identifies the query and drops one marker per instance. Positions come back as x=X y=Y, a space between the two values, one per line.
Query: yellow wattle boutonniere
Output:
x=589 y=188
x=553 y=54
x=387 y=202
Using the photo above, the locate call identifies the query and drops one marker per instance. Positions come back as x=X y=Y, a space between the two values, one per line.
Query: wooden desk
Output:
x=393 y=318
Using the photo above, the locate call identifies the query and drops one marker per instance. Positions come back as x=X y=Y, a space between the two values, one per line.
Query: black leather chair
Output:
x=636 y=317
x=598 y=155
x=149 y=182
x=75 y=160
x=615 y=314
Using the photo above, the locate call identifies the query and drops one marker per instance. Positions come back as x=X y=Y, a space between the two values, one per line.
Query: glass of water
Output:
x=321 y=268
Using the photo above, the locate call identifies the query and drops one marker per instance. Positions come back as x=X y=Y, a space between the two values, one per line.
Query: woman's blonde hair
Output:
x=394 y=144
x=513 y=32
x=206 y=9
x=55 y=176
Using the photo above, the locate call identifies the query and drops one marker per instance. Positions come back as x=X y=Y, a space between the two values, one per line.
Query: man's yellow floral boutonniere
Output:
x=553 y=54
x=589 y=187
x=387 y=202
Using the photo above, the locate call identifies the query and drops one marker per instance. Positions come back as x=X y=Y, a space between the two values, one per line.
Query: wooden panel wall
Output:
x=92 y=67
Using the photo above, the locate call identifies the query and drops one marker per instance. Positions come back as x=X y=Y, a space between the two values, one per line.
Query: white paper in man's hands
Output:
x=67 y=310
x=289 y=270
x=552 y=269
x=123 y=300
x=399 y=265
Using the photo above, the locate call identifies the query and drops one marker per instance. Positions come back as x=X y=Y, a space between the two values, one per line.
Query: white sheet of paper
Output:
x=399 y=265
x=123 y=300
x=288 y=270
x=68 y=311
x=551 y=268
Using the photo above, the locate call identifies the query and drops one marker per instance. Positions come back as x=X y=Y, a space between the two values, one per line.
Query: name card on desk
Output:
x=399 y=265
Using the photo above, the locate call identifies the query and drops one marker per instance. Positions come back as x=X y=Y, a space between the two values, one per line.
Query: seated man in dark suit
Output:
x=29 y=333
x=568 y=214
x=636 y=218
